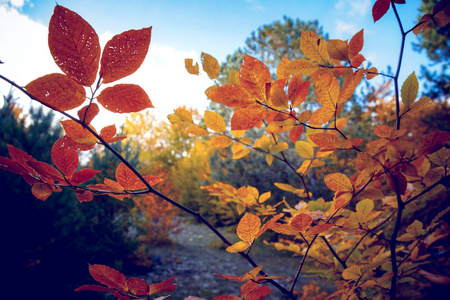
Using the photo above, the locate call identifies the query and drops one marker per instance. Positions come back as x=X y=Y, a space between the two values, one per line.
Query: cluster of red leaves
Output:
x=119 y=286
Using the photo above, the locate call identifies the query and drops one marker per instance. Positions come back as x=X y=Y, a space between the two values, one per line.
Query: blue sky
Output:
x=186 y=28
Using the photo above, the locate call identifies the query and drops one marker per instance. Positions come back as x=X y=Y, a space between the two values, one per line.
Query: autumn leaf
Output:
x=295 y=133
x=410 y=89
x=41 y=190
x=247 y=117
x=302 y=67
x=109 y=277
x=88 y=112
x=338 y=49
x=352 y=273
x=124 y=54
x=301 y=222
x=248 y=227
x=356 y=44
x=83 y=175
x=300 y=93
x=221 y=141
x=108 y=134
x=277 y=96
x=137 y=286
x=282 y=73
x=210 y=65
x=304 y=149
x=197 y=130
x=318 y=229
x=46 y=170
x=349 y=86
x=165 y=286
x=74 y=45
x=397 y=183
x=231 y=95
x=239 y=151
x=214 y=121
x=380 y=8
x=254 y=75
x=57 y=91
x=238 y=247
x=124 y=98
x=190 y=67
x=126 y=177
x=338 y=182
x=432 y=142
x=327 y=90
x=78 y=133
x=64 y=158
x=314 y=47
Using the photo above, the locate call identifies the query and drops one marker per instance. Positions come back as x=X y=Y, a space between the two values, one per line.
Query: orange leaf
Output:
x=247 y=117
x=295 y=133
x=259 y=293
x=109 y=277
x=269 y=224
x=322 y=115
x=326 y=140
x=92 y=111
x=22 y=158
x=74 y=45
x=350 y=85
x=64 y=158
x=301 y=222
x=327 y=90
x=380 y=8
x=150 y=179
x=254 y=75
x=190 y=67
x=221 y=141
x=124 y=54
x=319 y=229
x=357 y=60
x=314 y=47
x=277 y=96
x=238 y=247
x=338 y=182
x=10 y=165
x=356 y=44
x=137 y=286
x=126 y=177
x=231 y=95
x=77 y=133
x=383 y=131
x=108 y=134
x=41 y=190
x=425 y=20
x=248 y=227
x=338 y=49
x=210 y=65
x=302 y=66
x=84 y=196
x=300 y=94
x=71 y=144
x=57 y=91
x=282 y=73
x=165 y=286
x=124 y=98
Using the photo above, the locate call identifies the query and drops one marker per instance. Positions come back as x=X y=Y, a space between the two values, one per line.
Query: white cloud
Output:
x=344 y=30
x=26 y=56
x=354 y=9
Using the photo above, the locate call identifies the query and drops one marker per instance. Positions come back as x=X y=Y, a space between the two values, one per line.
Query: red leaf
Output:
x=74 y=45
x=71 y=144
x=397 y=183
x=124 y=54
x=109 y=277
x=84 y=196
x=46 y=170
x=300 y=94
x=301 y=222
x=108 y=134
x=91 y=113
x=10 y=165
x=124 y=98
x=78 y=133
x=57 y=91
x=138 y=286
x=165 y=286
x=41 y=190
x=319 y=229
x=253 y=76
x=94 y=288
x=432 y=142
x=380 y=8
x=356 y=44
x=259 y=293
x=64 y=158
x=83 y=175
x=126 y=177
x=22 y=158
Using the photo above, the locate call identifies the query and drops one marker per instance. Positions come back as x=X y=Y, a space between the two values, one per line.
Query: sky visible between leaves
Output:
x=183 y=29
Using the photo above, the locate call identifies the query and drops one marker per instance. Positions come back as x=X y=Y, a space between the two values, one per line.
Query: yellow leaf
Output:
x=284 y=187
x=239 y=151
x=180 y=115
x=210 y=65
x=248 y=227
x=314 y=47
x=221 y=141
x=338 y=182
x=233 y=77
x=302 y=67
x=264 y=197
x=279 y=147
x=238 y=247
x=282 y=73
x=263 y=143
x=269 y=159
x=277 y=96
x=192 y=69
x=214 y=121
x=416 y=228
x=352 y=273
x=327 y=90
x=197 y=130
x=410 y=89
x=365 y=206
x=304 y=149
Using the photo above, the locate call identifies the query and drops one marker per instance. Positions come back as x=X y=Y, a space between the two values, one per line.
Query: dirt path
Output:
x=196 y=256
